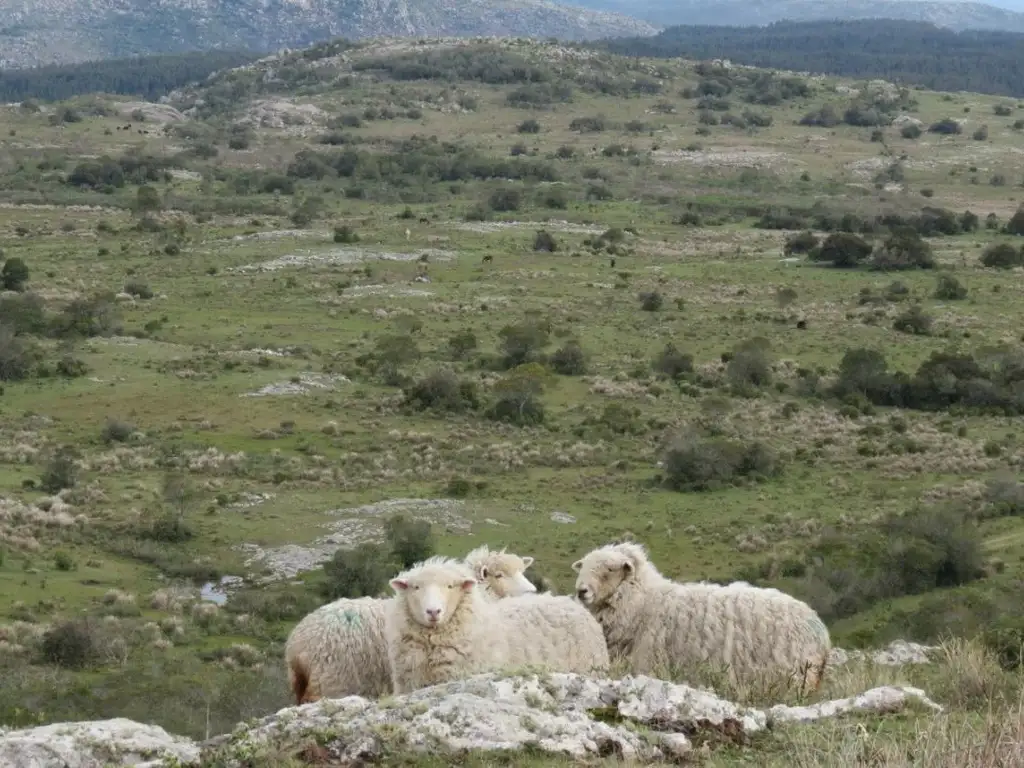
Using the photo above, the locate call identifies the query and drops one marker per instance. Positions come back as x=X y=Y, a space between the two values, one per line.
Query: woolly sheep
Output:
x=439 y=627
x=652 y=622
x=338 y=650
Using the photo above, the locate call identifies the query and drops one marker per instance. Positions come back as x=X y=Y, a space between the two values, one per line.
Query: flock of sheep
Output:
x=450 y=619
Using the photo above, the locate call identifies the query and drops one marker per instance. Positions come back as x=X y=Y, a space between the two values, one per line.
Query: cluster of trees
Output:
x=148 y=77
x=902 y=51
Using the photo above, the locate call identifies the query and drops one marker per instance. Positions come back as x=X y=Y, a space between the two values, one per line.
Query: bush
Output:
x=71 y=644
x=138 y=289
x=529 y=126
x=1015 y=226
x=18 y=356
x=694 y=463
x=914 y=321
x=947 y=126
x=518 y=396
x=948 y=288
x=750 y=365
x=842 y=249
x=569 y=359
x=14 y=274
x=651 y=301
x=544 y=241
x=442 y=390
x=555 y=197
x=116 y=432
x=523 y=342
x=360 y=572
x=981 y=134
x=904 y=249
x=1002 y=256
x=411 y=540
x=910 y=554
x=506 y=200
x=802 y=242
x=911 y=131
x=61 y=471
x=673 y=362
x=345 y=234
x=461 y=344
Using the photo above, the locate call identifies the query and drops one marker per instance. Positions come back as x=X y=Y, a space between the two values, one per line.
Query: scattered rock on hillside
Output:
x=896 y=654
x=562 y=714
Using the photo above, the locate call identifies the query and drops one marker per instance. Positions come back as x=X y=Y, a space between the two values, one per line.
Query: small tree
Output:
x=1015 y=226
x=461 y=344
x=802 y=242
x=569 y=359
x=14 y=274
x=411 y=540
x=523 y=342
x=61 y=471
x=904 y=249
x=360 y=572
x=673 y=362
x=914 y=321
x=147 y=199
x=518 y=396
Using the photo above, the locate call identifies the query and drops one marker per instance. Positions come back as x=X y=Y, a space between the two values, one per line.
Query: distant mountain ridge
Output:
x=35 y=32
x=749 y=13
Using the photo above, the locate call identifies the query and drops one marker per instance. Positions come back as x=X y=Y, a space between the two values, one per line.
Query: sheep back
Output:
x=749 y=629
x=338 y=650
x=554 y=632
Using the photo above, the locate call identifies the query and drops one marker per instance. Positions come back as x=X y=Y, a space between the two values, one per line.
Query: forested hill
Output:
x=904 y=51
x=148 y=77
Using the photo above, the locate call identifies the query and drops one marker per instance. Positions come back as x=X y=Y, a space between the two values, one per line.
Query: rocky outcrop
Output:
x=560 y=714
x=96 y=744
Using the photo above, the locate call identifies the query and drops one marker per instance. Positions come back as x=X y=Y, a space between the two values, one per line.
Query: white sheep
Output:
x=439 y=627
x=338 y=650
x=653 y=623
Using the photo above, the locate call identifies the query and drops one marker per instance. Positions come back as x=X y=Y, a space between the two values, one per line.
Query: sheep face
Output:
x=431 y=597
x=600 y=574
x=504 y=575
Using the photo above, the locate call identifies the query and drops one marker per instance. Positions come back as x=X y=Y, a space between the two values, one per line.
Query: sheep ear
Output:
x=527 y=561
x=399 y=584
x=577 y=565
x=628 y=568
x=482 y=572
x=468 y=584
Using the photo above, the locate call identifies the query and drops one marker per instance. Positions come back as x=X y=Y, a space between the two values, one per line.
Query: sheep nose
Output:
x=433 y=613
x=582 y=593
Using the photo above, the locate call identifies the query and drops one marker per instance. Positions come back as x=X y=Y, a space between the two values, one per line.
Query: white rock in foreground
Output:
x=562 y=714
x=97 y=744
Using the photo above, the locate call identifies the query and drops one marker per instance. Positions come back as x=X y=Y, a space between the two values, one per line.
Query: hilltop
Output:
x=912 y=53
x=67 y=31
x=266 y=339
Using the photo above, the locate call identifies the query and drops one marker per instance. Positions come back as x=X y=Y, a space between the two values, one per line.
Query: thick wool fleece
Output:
x=339 y=649
x=655 y=624
x=542 y=631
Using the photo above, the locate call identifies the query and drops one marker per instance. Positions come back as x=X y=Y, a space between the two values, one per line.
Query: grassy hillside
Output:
x=548 y=297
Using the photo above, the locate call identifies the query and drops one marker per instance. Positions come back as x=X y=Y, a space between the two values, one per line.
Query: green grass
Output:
x=181 y=382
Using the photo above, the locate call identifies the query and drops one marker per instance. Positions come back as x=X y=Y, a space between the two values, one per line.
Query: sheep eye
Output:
x=498 y=575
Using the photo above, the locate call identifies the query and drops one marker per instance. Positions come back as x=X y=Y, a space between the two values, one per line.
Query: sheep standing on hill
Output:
x=338 y=650
x=439 y=627
x=654 y=623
